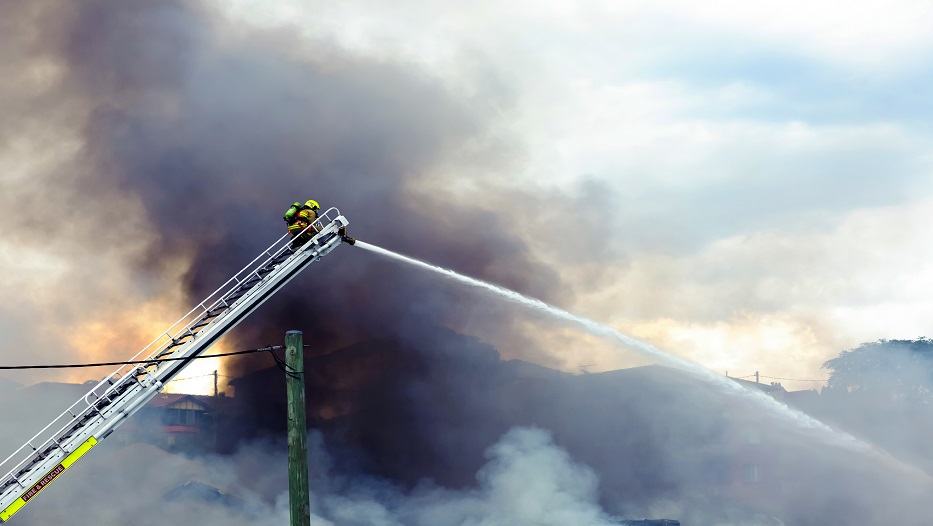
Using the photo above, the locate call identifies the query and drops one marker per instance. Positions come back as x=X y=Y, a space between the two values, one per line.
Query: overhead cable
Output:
x=269 y=349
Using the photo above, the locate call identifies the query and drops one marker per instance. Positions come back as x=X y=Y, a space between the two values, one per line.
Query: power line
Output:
x=779 y=378
x=191 y=377
x=268 y=349
x=794 y=379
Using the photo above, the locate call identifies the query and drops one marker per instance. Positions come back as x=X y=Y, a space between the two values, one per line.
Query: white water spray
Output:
x=724 y=384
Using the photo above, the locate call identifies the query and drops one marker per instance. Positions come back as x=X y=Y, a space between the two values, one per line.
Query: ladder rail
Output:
x=62 y=439
x=246 y=270
x=127 y=374
x=118 y=402
x=319 y=223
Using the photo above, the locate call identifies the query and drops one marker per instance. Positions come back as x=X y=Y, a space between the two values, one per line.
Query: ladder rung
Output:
x=45 y=452
x=175 y=343
x=241 y=290
x=250 y=283
x=167 y=348
x=71 y=432
x=204 y=321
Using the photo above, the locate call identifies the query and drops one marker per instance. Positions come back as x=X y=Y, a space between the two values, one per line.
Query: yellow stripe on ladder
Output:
x=30 y=493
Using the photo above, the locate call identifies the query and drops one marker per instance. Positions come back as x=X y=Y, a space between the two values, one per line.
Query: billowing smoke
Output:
x=192 y=135
x=460 y=440
x=527 y=480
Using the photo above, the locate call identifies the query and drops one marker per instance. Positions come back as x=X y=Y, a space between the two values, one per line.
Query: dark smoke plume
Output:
x=214 y=129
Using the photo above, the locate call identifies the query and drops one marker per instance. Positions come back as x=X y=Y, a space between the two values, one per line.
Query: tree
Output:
x=890 y=369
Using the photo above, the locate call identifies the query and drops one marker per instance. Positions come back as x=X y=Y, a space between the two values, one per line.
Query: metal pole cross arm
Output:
x=42 y=459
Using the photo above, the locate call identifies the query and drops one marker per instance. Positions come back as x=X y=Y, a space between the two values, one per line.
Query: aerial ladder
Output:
x=108 y=404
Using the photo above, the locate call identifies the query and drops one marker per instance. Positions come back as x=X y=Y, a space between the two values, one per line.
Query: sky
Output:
x=742 y=184
x=753 y=178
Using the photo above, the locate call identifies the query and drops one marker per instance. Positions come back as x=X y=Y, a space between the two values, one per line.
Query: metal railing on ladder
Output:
x=108 y=404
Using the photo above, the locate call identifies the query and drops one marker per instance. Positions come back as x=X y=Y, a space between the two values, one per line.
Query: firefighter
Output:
x=299 y=217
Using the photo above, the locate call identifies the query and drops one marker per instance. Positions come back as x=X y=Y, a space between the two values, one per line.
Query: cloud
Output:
x=780 y=301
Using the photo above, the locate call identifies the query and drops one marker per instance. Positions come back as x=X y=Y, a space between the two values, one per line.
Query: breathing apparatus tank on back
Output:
x=292 y=213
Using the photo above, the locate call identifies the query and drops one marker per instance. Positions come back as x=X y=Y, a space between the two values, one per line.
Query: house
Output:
x=174 y=421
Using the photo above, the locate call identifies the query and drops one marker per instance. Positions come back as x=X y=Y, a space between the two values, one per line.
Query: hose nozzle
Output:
x=342 y=232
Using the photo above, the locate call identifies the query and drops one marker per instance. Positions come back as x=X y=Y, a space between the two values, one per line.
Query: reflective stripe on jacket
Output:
x=305 y=218
x=307 y=215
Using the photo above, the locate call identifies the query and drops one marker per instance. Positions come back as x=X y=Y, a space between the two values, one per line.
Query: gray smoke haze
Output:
x=527 y=481
x=194 y=136
x=882 y=392
x=637 y=443
x=661 y=443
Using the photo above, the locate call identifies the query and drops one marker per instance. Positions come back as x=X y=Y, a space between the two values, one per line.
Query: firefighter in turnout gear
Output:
x=300 y=216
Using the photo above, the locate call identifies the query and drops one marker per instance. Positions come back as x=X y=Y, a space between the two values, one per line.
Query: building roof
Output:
x=768 y=388
x=528 y=370
x=166 y=399
x=58 y=387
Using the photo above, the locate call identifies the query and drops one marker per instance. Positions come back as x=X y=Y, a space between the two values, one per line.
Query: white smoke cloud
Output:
x=528 y=480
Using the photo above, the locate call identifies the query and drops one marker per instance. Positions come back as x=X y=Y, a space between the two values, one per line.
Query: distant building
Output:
x=176 y=422
x=763 y=461
x=775 y=389
x=755 y=471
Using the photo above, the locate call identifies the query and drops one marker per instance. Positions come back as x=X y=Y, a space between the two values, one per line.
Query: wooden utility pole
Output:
x=298 y=497
x=216 y=413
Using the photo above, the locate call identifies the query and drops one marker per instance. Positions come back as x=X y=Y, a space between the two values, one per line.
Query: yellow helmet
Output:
x=312 y=204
